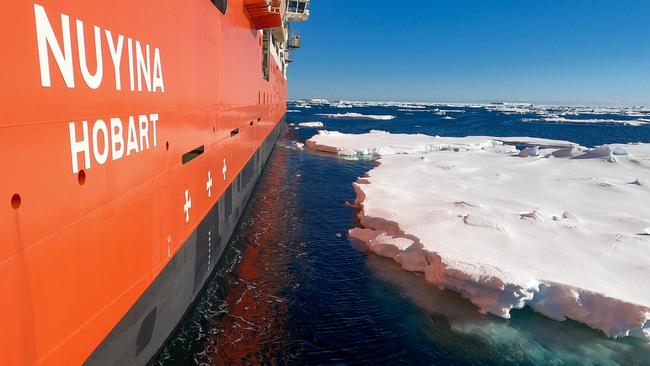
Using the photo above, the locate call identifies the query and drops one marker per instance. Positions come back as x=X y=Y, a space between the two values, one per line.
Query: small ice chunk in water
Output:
x=311 y=124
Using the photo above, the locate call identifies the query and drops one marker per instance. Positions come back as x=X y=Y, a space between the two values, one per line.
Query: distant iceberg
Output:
x=506 y=229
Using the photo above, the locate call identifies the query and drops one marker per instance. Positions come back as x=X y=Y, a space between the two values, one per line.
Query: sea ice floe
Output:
x=556 y=113
x=311 y=124
x=353 y=115
x=534 y=141
x=630 y=116
x=569 y=238
x=640 y=113
x=411 y=110
x=443 y=112
x=381 y=143
x=557 y=119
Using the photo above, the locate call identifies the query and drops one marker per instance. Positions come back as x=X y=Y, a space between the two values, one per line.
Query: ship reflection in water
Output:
x=292 y=289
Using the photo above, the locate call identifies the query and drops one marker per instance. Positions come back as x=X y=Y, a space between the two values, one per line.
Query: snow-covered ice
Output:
x=381 y=143
x=311 y=124
x=412 y=110
x=562 y=228
x=442 y=112
x=534 y=141
x=353 y=115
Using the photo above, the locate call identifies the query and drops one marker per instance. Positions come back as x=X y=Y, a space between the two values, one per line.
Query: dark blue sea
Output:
x=291 y=287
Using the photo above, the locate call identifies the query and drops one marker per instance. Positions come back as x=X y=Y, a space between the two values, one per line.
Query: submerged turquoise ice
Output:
x=293 y=289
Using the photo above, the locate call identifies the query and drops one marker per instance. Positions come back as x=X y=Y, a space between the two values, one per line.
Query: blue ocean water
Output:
x=293 y=289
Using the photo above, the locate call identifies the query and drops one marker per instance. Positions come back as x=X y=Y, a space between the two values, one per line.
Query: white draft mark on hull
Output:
x=187 y=205
x=208 y=184
x=224 y=170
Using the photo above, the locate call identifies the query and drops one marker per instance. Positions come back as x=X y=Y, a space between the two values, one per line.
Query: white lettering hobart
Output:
x=100 y=141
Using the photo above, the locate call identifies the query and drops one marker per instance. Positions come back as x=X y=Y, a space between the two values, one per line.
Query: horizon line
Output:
x=539 y=103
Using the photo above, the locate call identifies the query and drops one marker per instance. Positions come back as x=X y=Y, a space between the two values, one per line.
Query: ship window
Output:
x=297 y=6
x=222 y=5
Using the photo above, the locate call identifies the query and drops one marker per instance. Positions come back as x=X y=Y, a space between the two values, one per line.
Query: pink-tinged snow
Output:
x=568 y=236
x=352 y=115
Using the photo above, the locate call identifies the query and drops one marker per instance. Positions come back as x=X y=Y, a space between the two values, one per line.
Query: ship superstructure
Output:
x=131 y=136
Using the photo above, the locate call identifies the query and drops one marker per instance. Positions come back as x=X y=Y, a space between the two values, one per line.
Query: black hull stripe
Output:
x=151 y=320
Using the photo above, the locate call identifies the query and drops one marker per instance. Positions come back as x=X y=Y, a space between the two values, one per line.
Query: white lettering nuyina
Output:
x=109 y=138
x=139 y=60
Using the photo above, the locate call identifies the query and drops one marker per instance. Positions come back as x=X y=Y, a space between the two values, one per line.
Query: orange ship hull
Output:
x=131 y=136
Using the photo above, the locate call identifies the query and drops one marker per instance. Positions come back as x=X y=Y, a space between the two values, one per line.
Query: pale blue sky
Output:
x=554 y=51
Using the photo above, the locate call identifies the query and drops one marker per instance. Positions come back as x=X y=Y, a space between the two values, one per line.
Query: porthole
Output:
x=15 y=201
x=81 y=177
